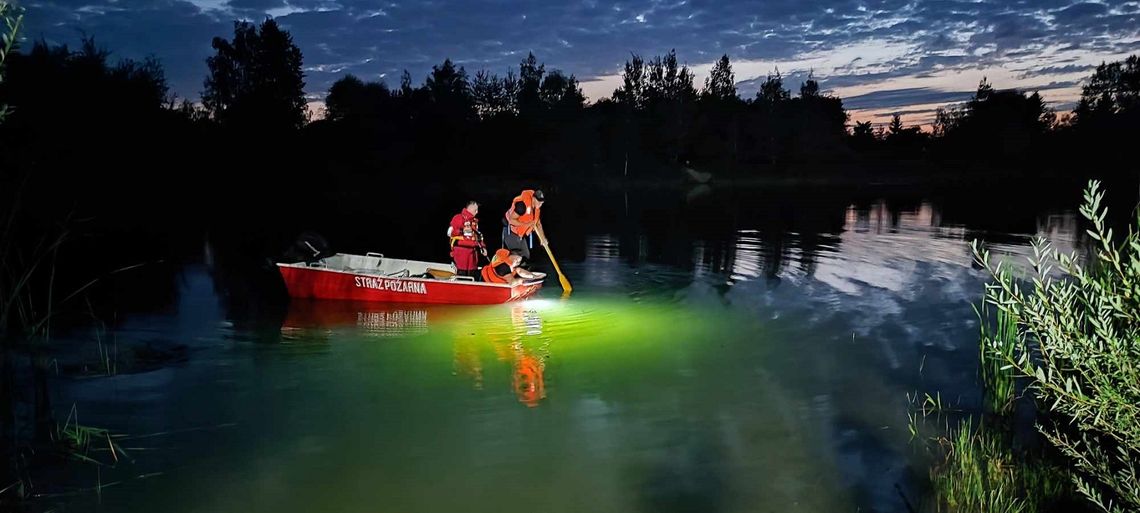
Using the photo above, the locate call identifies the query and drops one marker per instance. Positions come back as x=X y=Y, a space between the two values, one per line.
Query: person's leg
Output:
x=515 y=243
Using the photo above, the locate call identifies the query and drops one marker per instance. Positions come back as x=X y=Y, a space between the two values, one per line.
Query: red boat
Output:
x=374 y=277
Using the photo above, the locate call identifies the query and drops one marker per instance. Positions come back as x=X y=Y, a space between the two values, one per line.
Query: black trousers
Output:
x=515 y=243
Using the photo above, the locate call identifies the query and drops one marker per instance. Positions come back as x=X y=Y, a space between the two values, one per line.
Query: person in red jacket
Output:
x=466 y=240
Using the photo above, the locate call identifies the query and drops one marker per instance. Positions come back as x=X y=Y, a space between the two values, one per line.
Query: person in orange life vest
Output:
x=466 y=241
x=504 y=268
x=521 y=220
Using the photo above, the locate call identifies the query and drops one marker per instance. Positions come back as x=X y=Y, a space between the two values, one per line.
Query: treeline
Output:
x=98 y=126
x=80 y=126
x=453 y=123
x=537 y=121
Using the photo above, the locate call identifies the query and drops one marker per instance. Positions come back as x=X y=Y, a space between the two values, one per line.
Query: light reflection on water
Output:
x=768 y=373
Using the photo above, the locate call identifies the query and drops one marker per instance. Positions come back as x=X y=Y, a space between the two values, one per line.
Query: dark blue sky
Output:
x=882 y=56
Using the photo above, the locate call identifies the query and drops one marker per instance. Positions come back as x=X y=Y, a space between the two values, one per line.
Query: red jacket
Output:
x=465 y=240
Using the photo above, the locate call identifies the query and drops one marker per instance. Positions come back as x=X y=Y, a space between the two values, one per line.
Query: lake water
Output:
x=722 y=351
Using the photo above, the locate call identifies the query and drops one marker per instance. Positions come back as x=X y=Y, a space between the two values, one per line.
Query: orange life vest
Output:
x=489 y=275
x=531 y=214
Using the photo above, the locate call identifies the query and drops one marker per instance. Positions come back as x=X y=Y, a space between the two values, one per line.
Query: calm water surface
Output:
x=721 y=352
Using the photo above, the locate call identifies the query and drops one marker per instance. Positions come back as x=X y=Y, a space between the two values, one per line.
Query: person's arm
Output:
x=516 y=211
x=541 y=233
x=513 y=218
x=456 y=226
x=529 y=275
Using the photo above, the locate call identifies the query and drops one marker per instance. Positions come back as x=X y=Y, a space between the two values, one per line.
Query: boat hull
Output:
x=320 y=283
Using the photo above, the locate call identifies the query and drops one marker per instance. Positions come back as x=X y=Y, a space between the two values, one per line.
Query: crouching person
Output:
x=504 y=268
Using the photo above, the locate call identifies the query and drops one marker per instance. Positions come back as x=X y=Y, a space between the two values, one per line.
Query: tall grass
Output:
x=9 y=34
x=980 y=469
x=10 y=485
x=1078 y=344
x=981 y=473
x=998 y=343
x=27 y=305
x=78 y=440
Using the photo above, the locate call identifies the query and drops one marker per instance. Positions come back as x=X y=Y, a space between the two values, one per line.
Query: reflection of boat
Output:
x=514 y=336
x=373 y=277
x=385 y=319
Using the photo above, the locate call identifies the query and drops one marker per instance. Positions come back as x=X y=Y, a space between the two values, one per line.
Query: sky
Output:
x=881 y=56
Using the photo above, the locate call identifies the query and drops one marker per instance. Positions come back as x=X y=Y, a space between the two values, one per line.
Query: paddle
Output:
x=561 y=277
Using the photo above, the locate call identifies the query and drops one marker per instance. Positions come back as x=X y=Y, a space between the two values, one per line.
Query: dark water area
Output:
x=725 y=349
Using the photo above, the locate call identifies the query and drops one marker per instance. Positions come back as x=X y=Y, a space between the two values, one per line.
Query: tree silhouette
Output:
x=255 y=80
x=632 y=92
x=767 y=133
x=904 y=141
x=819 y=123
x=809 y=89
x=351 y=98
x=1113 y=89
x=559 y=91
x=863 y=136
x=994 y=125
x=716 y=130
x=772 y=89
x=494 y=95
x=530 y=81
x=721 y=82
x=75 y=89
x=88 y=130
x=532 y=122
x=448 y=85
x=668 y=81
x=896 y=126
x=367 y=115
x=657 y=102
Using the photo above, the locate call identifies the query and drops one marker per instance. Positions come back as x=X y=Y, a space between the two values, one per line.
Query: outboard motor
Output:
x=309 y=247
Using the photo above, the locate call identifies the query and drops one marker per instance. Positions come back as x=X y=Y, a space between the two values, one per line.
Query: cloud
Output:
x=847 y=43
x=904 y=97
x=1058 y=70
x=908 y=113
x=792 y=80
x=256 y=6
x=1051 y=86
x=1081 y=11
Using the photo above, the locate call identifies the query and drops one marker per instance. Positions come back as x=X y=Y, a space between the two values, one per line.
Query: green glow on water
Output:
x=595 y=334
x=591 y=404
